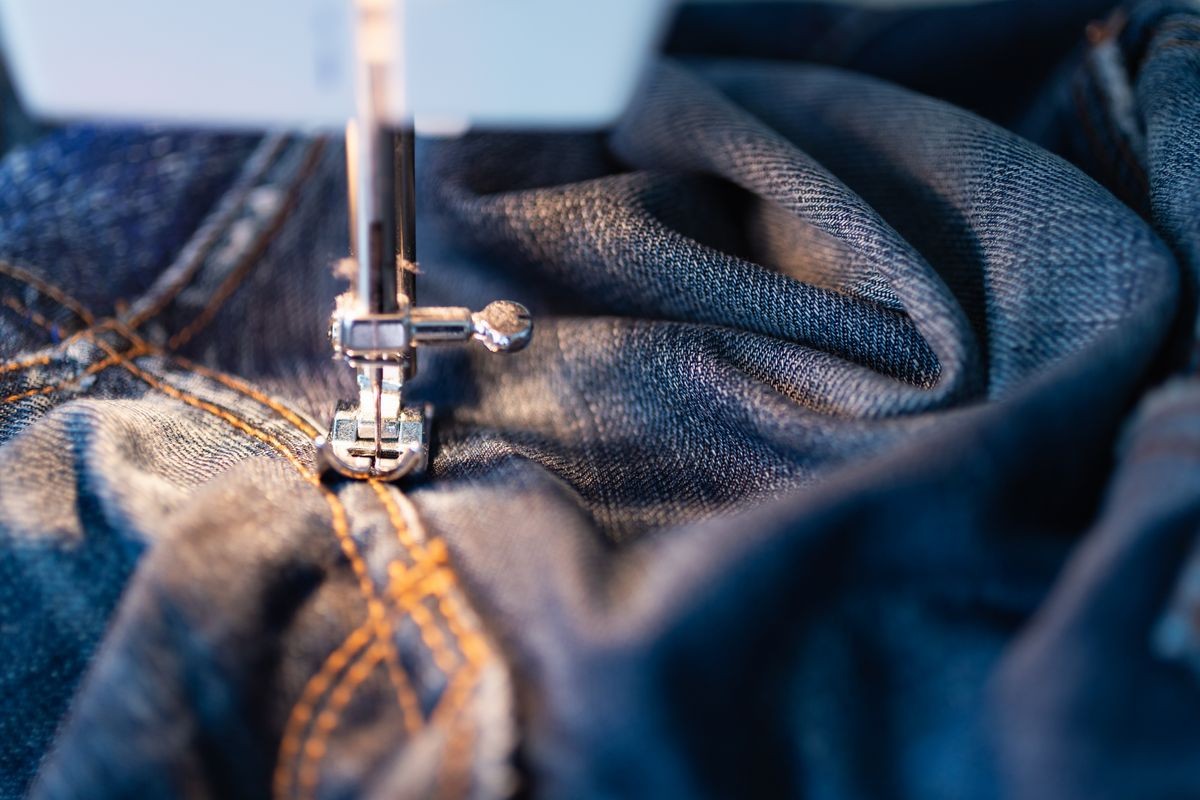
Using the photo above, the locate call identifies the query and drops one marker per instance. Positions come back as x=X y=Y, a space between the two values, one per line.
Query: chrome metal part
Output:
x=376 y=326
x=401 y=447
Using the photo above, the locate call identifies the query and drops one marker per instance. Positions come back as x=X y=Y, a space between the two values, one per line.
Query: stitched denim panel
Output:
x=823 y=397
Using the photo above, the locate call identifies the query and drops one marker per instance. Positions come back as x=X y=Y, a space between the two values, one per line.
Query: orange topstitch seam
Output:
x=375 y=609
x=46 y=358
x=431 y=634
x=313 y=754
x=473 y=646
x=429 y=631
x=31 y=361
x=404 y=582
x=423 y=558
x=354 y=646
x=28 y=313
x=49 y=290
x=113 y=359
x=223 y=292
x=409 y=592
x=238 y=385
x=59 y=296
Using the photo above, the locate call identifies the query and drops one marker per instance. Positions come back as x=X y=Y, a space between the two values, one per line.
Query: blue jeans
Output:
x=820 y=478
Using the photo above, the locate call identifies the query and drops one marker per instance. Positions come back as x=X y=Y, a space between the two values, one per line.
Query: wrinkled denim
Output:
x=822 y=475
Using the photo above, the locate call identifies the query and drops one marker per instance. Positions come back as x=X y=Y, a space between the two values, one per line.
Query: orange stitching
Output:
x=412 y=603
x=457 y=778
x=239 y=385
x=474 y=647
x=341 y=530
x=99 y=366
x=419 y=580
x=431 y=634
x=251 y=256
x=314 y=690
x=315 y=750
x=405 y=584
x=476 y=652
x=28 y=313
x=53 y=292
x=216 y=411
x=83 y=313
x=129 y=334
x=105 y=324
x=403 y=581
x=56 y=294
x=375 y=608
x=403 y=534
x=37 y=361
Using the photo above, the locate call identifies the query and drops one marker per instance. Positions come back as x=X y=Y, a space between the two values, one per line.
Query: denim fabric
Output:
x=818 y=478
x=1127 y=110
x=990 y=56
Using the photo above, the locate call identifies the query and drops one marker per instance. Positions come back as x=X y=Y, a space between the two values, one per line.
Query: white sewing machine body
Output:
x=294 y=64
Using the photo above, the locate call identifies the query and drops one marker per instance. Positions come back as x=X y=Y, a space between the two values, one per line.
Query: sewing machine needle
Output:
x=377 y=386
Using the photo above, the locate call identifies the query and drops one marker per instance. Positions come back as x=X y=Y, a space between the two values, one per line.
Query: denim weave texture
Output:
x=856 y=453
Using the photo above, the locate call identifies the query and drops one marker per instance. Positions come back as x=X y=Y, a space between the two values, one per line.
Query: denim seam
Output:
x=297 y=729
x=252 y=254
x=402 y=594
x=315 y=751
x=460 y=743
x=474 y=650
x=210 y=238
x=47 y=290
x=113 y=359
x=35 y=361
x=28 y=314
x=477 y=652
x=376 y=608
x=462 y=681
x=421 y=557
x=312 y=757
x=238 y=385
x=470 y=643
x=217 y=300
x=18 y=364
x=133 y=344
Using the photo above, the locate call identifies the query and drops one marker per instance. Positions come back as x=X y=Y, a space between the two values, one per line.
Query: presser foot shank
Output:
x=377 y=436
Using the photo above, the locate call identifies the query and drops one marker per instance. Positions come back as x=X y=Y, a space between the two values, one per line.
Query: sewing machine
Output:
x=379 y=70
